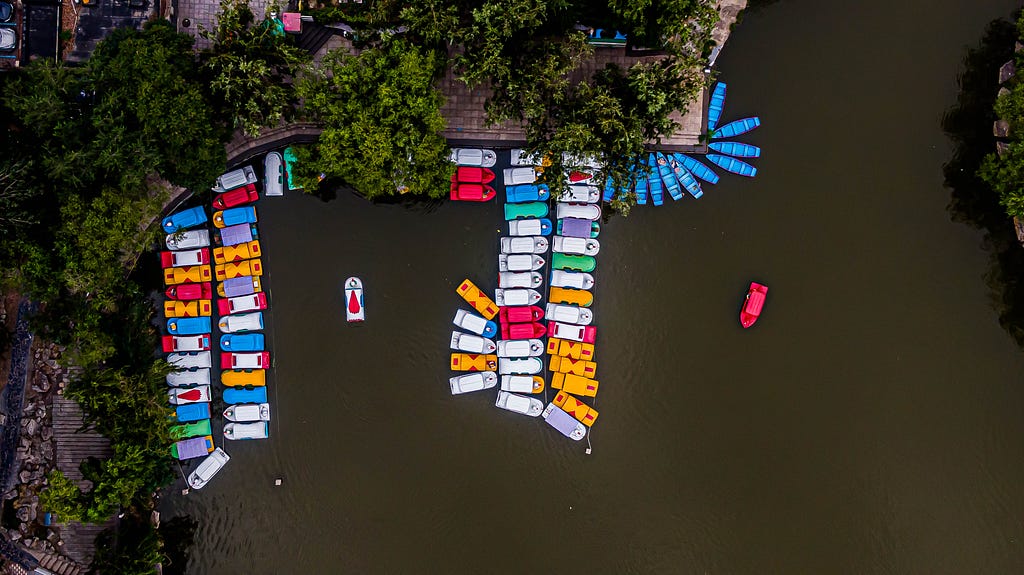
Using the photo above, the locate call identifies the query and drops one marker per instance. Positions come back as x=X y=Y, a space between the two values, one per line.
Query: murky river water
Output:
x=872 y=421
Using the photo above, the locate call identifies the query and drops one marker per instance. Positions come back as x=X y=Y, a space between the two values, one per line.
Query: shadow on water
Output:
x=415 y=204
x=969 y=125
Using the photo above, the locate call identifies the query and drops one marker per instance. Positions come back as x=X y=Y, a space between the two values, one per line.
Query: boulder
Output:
x=23 y=514
x=1002 y=92
x=24 y=476
x=46 y=433
x=1007 y=71
x=1000 y=128
x=31 y=427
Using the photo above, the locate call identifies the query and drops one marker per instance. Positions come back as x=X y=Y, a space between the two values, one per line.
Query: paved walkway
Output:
x=190 y=16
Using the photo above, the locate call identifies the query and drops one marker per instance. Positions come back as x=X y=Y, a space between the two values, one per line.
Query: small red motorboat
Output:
x=753 y=303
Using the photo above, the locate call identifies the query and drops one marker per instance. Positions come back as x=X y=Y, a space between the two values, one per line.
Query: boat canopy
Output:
x=192 y=448
x=564 y=423
x=234 y=235
x=754 y=303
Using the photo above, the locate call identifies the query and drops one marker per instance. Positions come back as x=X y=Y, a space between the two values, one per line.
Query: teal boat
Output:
x=736 y=128
x=716 y=105
x=289 y=167
x=527 y=210
x=736 y=149
x=687 y=180
x=654 y=182
x=733 y=165
x=194 y=429
x=697 y=168
x=560 y=261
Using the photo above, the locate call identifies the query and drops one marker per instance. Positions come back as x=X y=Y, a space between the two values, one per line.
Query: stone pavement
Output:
x=191 y=16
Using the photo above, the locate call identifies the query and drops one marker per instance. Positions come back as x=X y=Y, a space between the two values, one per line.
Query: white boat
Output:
x=473 y=382
x=273 y=175
x=522 y=383
x=575 y=280
x=187 y=258
x=235 y=179
x=581 y=211
x=519 y=262
x=510 y=297
x=254 y=430
x=577 y=246
x=509 y=280
x=473 y=157
x=472 y=343
x=566 y=424
x=515 y=176
x=354 y=311
x=186 y=395
x=525 y=405
x=209 y=467
x=188 y=240
x=520 y=365
x=246 y=412
x=569 y=314
x=189 y=359
x=518 y=157
x=520 y=348
x=475 y=324
x=581 y=193
x=524 y=245
x=187 y=377
x=571 y=160
x=241 y=322
x=529 y=227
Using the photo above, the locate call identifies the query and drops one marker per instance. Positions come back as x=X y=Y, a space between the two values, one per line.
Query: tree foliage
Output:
x=1005 y=172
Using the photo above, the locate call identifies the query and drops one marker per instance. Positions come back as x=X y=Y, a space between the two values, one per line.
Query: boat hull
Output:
x=753 y=304
x=354 y=311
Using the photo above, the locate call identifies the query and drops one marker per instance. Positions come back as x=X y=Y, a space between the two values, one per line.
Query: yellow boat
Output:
x=193 y=274
x=244 y=377
x=573 y=349
x=571 y=296
x=257 y=287
x=238 y=269
x=194 y=308
x=579 y=367
x=576 y=408
x=477 y=299
x=574 y=384
x=238 y=252
x=474 y=362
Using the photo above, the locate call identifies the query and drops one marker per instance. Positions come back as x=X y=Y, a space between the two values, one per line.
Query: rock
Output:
x=14 y=534
x=1001 y=148
x=23 y=514
x=1018 y=47
x=1002 y=92
x=24 y=476
x=31 y=427
x=1007 y=71
x=1000 y=128
x=42 y=386
x=46 y=433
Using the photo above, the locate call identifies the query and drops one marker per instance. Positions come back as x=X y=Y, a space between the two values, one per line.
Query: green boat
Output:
x=194 y=429
x=560 y=261
x=289 y=164
x=527 y=210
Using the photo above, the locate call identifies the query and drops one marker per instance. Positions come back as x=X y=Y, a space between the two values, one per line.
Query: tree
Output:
x=1005 y=171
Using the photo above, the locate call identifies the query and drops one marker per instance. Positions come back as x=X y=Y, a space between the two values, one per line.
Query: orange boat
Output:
x=576 y=408
x=474 y=362
x=574 y=384
x=194 y=308
x=477 y=299
x=571 y=296
x=579 y=367
x=573 y=349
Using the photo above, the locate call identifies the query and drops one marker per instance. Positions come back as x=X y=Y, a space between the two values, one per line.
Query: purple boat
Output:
x=240 y=234
x=578 y=228
x=192 y=448
x=566 y=424
x=243 y=285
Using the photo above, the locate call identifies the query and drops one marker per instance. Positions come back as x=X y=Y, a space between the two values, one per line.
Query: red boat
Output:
x=472 y=192
x=520 y=314
x=189 y=292
x=522 y=330
x=470 y=175
x=753 y=304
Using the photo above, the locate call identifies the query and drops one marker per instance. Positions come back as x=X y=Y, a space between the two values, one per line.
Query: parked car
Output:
x=241 y=304
x=237 y=197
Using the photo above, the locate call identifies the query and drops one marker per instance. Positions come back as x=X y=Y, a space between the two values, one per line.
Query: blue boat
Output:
x=736 y=149
x=241 y=342
x=733 y=165
x=526 y=193
x=609 y=190
x=192 y=412
x=669 y=178
x=697 y=168
x=184 y=219
x=188 y=325
x=641 y=188
x=716 y=105
x=235 y=395
x=654 y=182
x=736 y=128
x=687 y=180
x=235 y=216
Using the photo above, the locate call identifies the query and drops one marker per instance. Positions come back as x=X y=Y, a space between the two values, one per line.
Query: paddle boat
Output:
x=471 y=175
x=290 y=161
x=202 y=307
x=715 y=105
x=173 y=343
x=189 y=359
x=240 y=286
x=528 y=406
x=472 y=192
x=697 y=168
x=575 y=280
x=189 y=292
x=254 y=430
x=577 y=228
x=273 y=175
x=525 y=331
x=208 y=468
x=473 y=157
x=508 y=280
x=736 y=149
x=189 y=377
x=236 y=197
x=569 y=314
x=518 y=158
x=246 y=412
x=521 y=314
x=238 y=252
x=524 y=245
x=753 y=304
x=578 y=177
x=610 y=191
x=576 y=408
x=193 y=429
x=527 y=193
x=573 y=349
x=194 y=274
x=192 y=412
x=247 y=360
x=475 y=324
x=736 y=128
x=243 y=268
x=243 y=176
x=579 y=246
x=571 y=331
x=354 y=310
x=519 y=365
x=512 y=297
x=522 y=383
x=570 y=296
x=185 y=258
x=473 y=362
x=471 y=382
x=568 y=365
x=235 y=216
x=475 y=297
x=239 y=234
x=189 y=218
x=581 y=211
x=193 y=447
x=580 y=193
x=668 y=177
x=242 y=304
x=560 y=261
x=184 y=395
x=244 y=377
x=690 y=184
x=241 y=323
x=520 y=347
x=564 y=423
x=576 y=160
x=516 y=176
x=519 y=262
x=532 y=227
x=472 y=343
x=525 y=211
x=241 y=342
x=733 y=165
x=234 y=395
x=187 y=240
